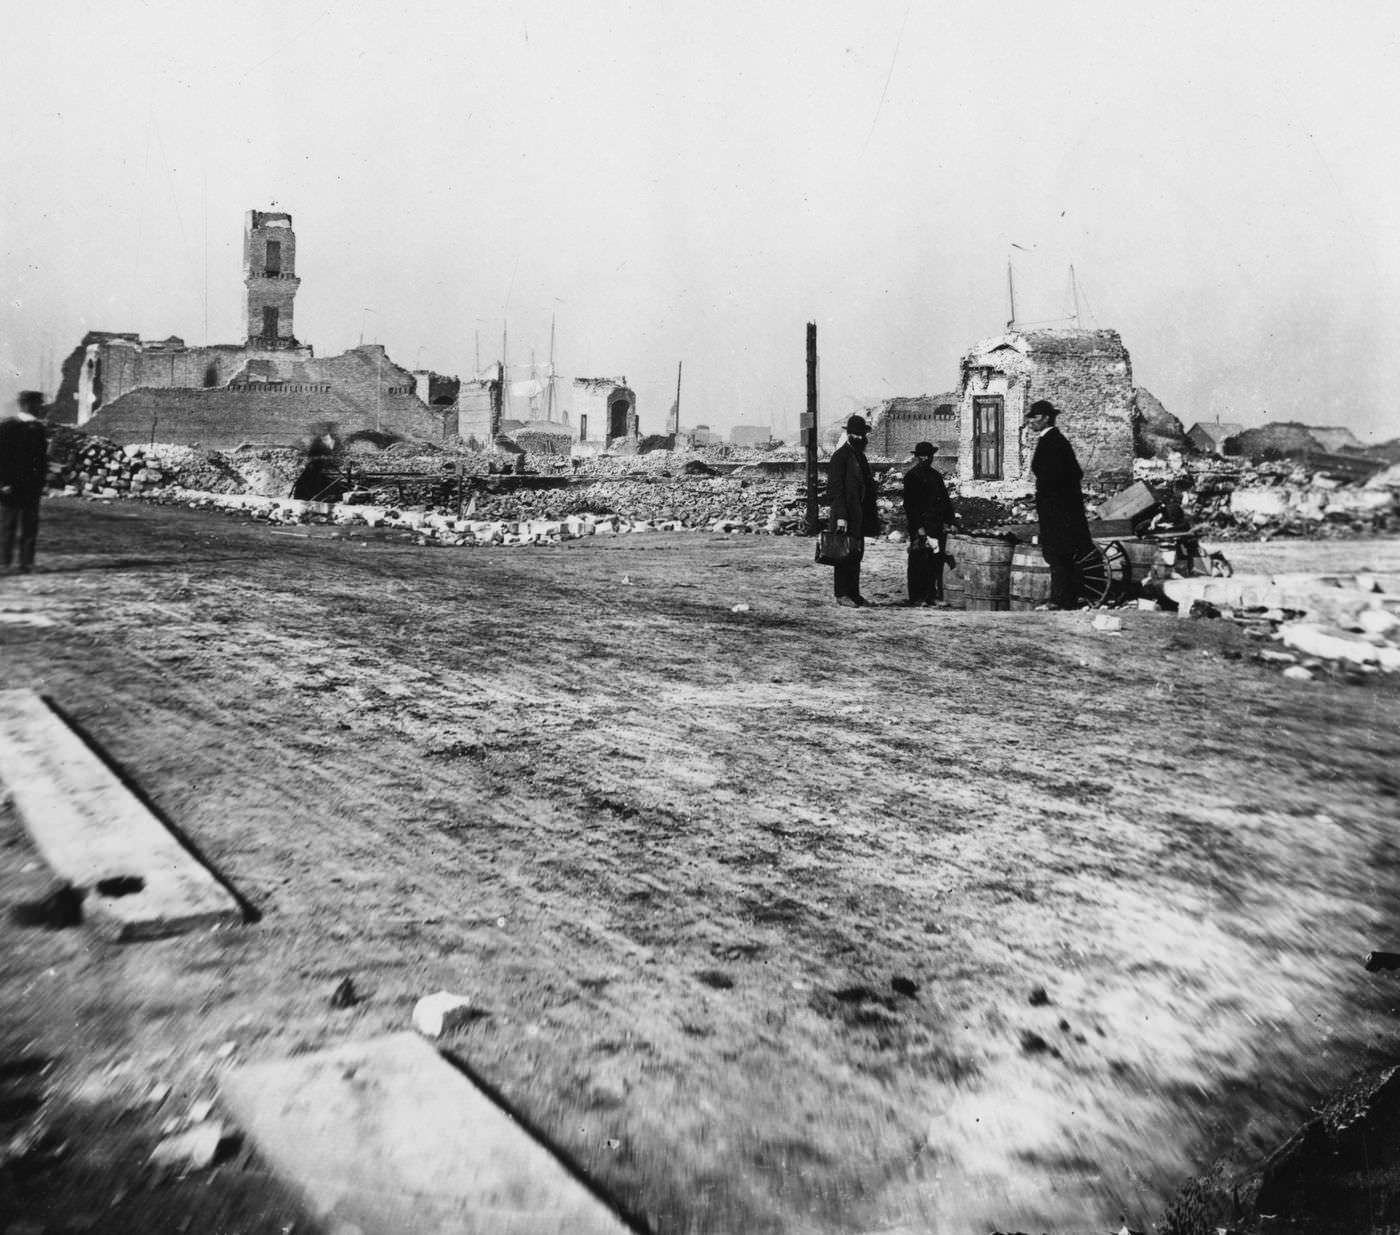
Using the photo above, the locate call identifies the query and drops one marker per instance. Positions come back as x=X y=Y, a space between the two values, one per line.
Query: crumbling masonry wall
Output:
x=1087 y=374
x=226 y=419
x=269 y=274
x=114 y=366
x=899 y=424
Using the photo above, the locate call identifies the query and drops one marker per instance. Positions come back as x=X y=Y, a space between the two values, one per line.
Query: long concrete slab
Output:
x=385 y=1137
x=137 y=880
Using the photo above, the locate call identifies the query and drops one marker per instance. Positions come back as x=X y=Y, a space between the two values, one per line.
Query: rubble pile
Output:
x=190 y=468
x=94 y=465
x=1342 y=623
x=1237 y=499
x=689 y=502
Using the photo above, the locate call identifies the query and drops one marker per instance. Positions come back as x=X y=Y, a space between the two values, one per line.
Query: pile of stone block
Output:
x=687 y=502
x=1347 y=622
x=1234 y=498
x=103 y=469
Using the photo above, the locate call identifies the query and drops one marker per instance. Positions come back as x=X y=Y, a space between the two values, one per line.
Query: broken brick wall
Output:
x=115 y=366
x=269 y=274
x=227 y=418
x=899 y=424
x=1087 y=374
x=477 y=413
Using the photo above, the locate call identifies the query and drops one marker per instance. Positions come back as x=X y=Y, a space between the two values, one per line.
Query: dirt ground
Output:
x=677 y=824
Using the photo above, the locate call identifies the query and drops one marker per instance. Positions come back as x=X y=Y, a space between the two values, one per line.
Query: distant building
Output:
x=1087 y=374
x=265 y=390
x=897 y=425
x=1210 y=437
x=750 y=435
x=605 y=411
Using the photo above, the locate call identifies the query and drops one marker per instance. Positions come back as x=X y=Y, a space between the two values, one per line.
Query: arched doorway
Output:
x=617 y=418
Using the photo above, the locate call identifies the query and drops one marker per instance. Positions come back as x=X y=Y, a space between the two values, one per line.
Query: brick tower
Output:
x=269 y=273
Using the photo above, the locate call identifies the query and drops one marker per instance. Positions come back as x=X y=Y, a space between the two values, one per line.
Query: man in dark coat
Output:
x=929 y=511
x=850 y=489
x=24 y=466
x=1059 y=504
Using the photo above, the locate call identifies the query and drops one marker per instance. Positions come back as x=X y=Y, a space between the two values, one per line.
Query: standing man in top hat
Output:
x=1059 y=505
x=929 y=512
x=24 y=467
x=850 y=488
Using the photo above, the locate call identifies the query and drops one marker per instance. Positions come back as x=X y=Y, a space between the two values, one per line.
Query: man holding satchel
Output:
x=929 y=512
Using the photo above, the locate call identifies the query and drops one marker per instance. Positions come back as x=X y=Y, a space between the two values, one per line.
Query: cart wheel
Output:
x=1120 y=568
x=1096 y=576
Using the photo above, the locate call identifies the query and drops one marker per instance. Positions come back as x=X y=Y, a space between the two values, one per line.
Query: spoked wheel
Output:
x=1104 y=571
x=1120 y=569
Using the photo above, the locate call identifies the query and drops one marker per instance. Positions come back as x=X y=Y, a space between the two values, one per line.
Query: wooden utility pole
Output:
x=809 y=428
x=676 y=408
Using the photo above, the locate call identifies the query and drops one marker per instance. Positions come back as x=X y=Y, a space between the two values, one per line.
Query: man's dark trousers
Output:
x=1066 y=577
x=847 y=573
x=24 y=520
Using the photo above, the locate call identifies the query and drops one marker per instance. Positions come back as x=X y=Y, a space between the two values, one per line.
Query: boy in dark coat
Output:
x=24 y=466
x=1059 y=505
x=850 y=488
x=929 y=512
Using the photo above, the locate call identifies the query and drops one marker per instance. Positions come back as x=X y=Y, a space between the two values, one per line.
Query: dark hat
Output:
x=926 y=448
x=1043 y=407
x=856 y=424
x=31 y=398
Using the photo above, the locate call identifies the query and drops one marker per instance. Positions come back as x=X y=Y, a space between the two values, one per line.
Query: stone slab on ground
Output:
x=137 y=881
x=387 y=1138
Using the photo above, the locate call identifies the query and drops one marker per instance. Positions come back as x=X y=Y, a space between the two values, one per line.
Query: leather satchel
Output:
x=834 y=547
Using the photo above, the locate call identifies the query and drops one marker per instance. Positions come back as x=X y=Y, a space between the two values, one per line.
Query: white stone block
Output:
x=1313 y=640
x=1378 y=622
x=1259 y=504
x=441 y=1012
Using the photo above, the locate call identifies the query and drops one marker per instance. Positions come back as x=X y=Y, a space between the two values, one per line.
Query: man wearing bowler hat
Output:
x=850 y=489
x=929 y=512
x=24 y=467
x=1059 y=505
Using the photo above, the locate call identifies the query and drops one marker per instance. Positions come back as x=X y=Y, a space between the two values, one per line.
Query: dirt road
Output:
x=679 y=850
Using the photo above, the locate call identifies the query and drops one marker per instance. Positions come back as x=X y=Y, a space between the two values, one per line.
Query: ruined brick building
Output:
x=605 y=412
x=897 y=425
x=1087 y=374
x=263 y=391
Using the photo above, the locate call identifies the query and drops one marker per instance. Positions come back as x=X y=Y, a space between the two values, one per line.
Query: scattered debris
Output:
x=443 y=1012
x=61 y=908
x=345 y=995
x=192 y=1150
x=1377 y=961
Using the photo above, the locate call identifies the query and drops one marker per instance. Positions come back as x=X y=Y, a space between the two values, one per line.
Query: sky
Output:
x=680 y=183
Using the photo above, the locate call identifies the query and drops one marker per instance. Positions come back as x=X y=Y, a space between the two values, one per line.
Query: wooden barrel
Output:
x=954 y=586
x=1030 y=578
x=981 y=568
